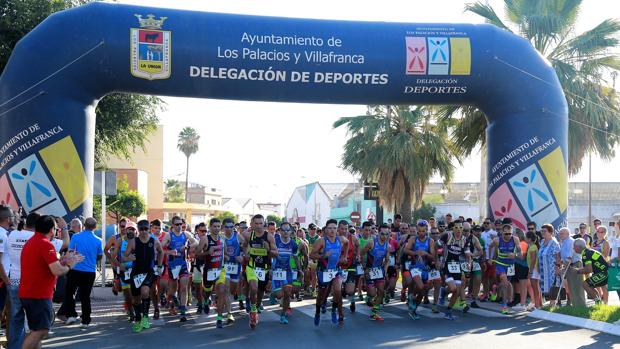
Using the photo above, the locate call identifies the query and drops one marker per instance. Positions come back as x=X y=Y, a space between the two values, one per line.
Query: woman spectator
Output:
x=549 y=263
x=532 y=263
x=602 y=246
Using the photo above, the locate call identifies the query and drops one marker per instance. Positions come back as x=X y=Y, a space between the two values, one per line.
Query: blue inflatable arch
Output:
x=58 y=72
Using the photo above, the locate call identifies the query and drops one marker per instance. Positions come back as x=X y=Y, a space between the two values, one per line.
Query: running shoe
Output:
x=375 y=317
x=137 y=327
x=146 y=324
x=465 y=308
x=283 y=320
x=253 y=320
x=473 y=304
x=156 y=314
x=505 y=310
x=230 y=319
x=414 y=316
x=219 y=324
x=317 y=319
x=448 y=316
x=334 y=317
x=352 y=306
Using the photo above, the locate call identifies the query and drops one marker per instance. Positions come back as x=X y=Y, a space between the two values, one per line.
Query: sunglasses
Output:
x=507 y=234
x=202 y=230
x=466 y=230
x=178 y=224
x=486 y=223
x=286 y=230
x=384 y=234
x=229 y=226
x=530 y=229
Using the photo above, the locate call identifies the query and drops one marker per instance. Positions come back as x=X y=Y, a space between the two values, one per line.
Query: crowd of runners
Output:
x=451 y=265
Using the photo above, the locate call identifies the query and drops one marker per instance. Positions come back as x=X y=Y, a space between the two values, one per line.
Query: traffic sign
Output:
x=355 y=216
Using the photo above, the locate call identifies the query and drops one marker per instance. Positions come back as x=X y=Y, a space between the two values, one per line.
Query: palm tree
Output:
x=583 y=62
x=188 y=145
x=399 y=147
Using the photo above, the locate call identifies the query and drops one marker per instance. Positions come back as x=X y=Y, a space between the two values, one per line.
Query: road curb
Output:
x=576 y=321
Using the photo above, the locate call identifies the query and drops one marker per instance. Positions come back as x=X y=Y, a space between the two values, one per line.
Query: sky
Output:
x=301 y=145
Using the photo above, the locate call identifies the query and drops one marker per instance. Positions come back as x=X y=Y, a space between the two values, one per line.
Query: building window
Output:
x=213 y=202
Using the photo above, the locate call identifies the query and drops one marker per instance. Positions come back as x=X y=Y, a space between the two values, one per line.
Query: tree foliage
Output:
x=584 y=62
x=226 y=214
x=174 y=191
x=275 y=218
x=188 y=145
x=126 y=202
x=401 y=148
x=124 y=121
x=425 y=211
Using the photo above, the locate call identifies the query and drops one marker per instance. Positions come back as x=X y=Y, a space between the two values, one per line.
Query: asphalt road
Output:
x=481 y=329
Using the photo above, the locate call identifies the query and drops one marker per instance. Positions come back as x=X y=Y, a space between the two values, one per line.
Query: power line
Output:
x=54 y=73
x=568 y=92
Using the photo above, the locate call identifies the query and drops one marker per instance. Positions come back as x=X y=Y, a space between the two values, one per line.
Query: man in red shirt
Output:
x=40 y=267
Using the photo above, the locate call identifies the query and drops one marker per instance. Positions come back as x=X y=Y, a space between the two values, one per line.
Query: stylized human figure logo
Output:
x=438 y=51
x=505 y=212
x=26 y=175
x=528 y=183
x=417 y=53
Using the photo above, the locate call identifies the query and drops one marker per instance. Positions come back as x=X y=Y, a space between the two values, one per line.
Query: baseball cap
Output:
x=507 y=220
x=131 y=224
x=498 y=222
x=312 y=226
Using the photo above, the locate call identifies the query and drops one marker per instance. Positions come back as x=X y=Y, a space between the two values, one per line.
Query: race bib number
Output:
x=260 y=274
x=345 y=274
x=139 y=279
x=434 y=275
x=175 y=272
x=213 y=274
x=359 y=270
x=477 y=266
x=454 y=268
x=128 y=274
x=375 y=273
x=416 y=272
x=279 y=275
x=392 y=261
x=329 y=275
x=294 y=275
x=511 y=270
x=465 y=267
x=231 y=268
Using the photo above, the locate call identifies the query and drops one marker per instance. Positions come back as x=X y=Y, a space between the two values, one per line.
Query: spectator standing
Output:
x=572 y=281
x=6 y=219
x=548 y=262
x=82 y=277
x=583 y=234
x=40 y=267
x=75 y=227
x=17 y=240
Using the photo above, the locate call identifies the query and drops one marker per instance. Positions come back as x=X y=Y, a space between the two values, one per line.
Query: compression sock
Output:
x=137 y=309
x=146 y=305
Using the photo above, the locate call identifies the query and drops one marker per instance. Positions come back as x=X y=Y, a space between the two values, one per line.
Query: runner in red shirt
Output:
x=40 y=267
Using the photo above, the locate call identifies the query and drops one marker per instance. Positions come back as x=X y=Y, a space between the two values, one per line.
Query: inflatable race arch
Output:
x=58 y=72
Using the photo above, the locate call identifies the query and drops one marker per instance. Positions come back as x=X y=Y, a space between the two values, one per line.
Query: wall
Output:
x=151 y=162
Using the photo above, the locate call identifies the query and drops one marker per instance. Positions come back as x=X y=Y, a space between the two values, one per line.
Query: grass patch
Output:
x=601 y=312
